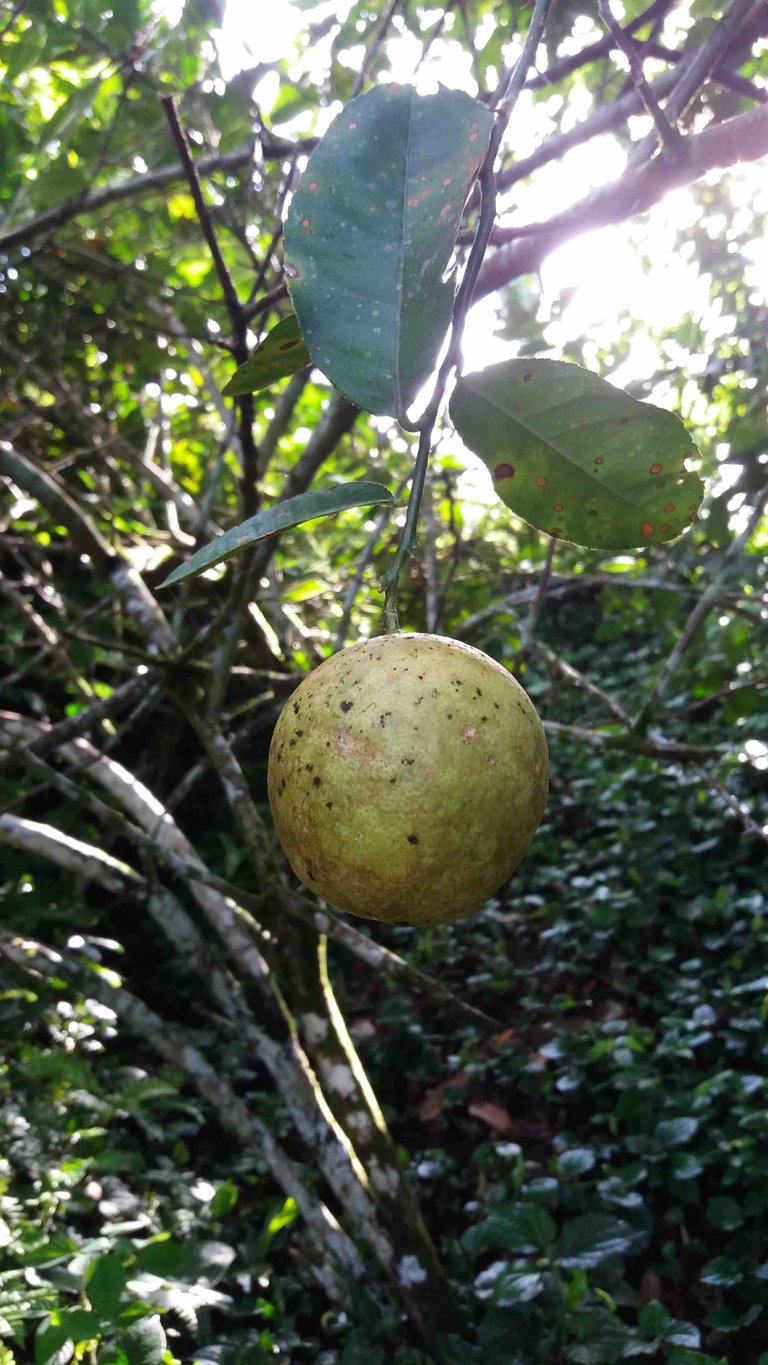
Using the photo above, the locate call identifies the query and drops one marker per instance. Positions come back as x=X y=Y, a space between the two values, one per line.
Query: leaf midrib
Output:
x=592 y=478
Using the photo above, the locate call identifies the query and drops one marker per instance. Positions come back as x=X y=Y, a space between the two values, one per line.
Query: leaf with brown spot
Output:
x=597 y=453
x=282 y=352
x=370 y=234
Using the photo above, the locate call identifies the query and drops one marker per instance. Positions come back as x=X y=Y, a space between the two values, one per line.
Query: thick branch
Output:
x=740 y=139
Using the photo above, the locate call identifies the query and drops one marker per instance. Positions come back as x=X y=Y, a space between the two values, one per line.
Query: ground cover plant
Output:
x=234 y=1125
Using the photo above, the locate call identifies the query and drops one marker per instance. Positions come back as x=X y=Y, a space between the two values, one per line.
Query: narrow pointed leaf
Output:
x=577 y=458
x=321 y=502
x=282 y=352
x=370 y=232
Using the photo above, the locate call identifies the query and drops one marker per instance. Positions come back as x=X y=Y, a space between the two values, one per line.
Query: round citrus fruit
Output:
x=407 y=775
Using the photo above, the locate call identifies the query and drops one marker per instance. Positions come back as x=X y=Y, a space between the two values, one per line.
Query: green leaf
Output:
x=321 y=502
x=143 y=1342
x=722 y=1271
x=370 y=232
x=165 y=1257
x=282 y=352
x=224 y=1199
x=516 y=1227
x=576 y=1161
x=577 y=458
x=676 y=1132
x=517 y=1286
x=105 y=1283
x=588 y=1240
x=654 y=1318
x=76 y=1325
x=725 y=1213
x=683 y=1334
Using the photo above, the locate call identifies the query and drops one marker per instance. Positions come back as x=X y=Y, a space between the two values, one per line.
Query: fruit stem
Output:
x=408 y=538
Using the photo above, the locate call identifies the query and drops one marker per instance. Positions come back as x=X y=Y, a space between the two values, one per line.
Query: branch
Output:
x=174 y=1046
x=577 y=679
x=694 y=70
x=634 y=744
x=669 y=135
x=736 y=140
x=86 y=861
x=701 y=610
x=53 y=496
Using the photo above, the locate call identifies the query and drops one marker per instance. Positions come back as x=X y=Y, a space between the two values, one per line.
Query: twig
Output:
x=355 y=583
x=122 y=697
x=507 y=95
x=201 y=208
x=431 y=574
x=669 y=135
x=626 y=742
x=695 y=70
x=578 y=679
x=378 y=39
x=701 y=610
x=738 y=808
x=235 y=309
x=537 y=605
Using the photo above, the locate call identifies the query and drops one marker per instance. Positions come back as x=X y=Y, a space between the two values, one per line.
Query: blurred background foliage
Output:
x=592 y=1162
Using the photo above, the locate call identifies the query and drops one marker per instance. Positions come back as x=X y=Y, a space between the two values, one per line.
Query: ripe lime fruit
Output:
x=407 y=775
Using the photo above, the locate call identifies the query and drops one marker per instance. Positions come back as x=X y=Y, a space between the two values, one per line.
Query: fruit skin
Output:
x=407 y=775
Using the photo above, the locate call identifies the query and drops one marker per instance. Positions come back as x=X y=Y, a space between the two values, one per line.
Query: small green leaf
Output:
x=654 y=1318
x=588 y=1240
x=683 y=1334
x=516 y=1227
x=76 y=1325
x=370 y=233
x=143 y=1343
x=576 y=1161
x=105 y=1283
x=676 y=1132
x=722 y=1271
x=282 y=352
x=321 y=502
x=725 y=1213
x=224 y=1199
x=164 y=1257
x=577 y=458
x=517 y=1286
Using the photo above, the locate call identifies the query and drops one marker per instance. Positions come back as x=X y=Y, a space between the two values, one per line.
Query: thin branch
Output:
x=738 y=808
x=235 y=309
x=577 y=679
x=56 y=500
x=122 y=697
x=706 y=602
x=375 y=46
x=537 y=605
x=669 y=135
x=695 y=70
x=656 y=747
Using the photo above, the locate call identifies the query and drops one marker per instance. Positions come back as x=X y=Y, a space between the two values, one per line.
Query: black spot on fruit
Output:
x=347 y=705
